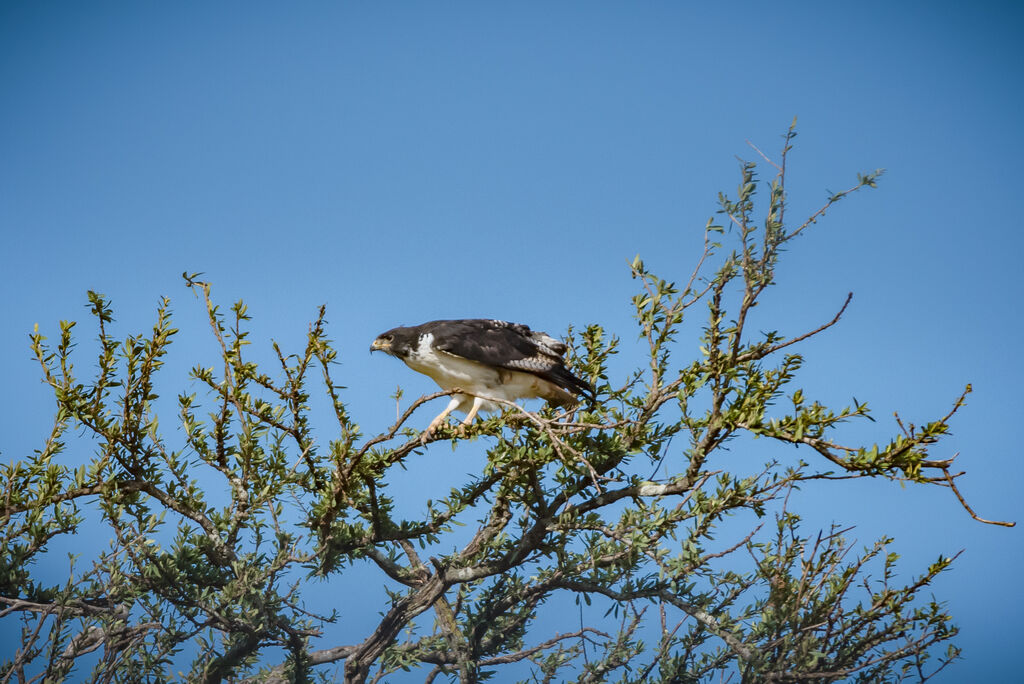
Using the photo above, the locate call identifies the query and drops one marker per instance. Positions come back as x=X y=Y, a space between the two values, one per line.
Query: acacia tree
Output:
x=217 y=526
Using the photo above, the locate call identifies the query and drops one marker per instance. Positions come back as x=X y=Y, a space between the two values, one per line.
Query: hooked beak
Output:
x=380 y=345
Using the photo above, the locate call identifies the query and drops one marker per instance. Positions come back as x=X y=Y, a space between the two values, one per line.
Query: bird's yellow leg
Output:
x=440 y=419
x=471 y=416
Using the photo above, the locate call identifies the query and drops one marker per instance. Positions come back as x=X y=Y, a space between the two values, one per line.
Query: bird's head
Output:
x=398 y=342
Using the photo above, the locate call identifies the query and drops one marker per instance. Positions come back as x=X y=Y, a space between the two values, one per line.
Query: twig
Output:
x=763 y=155
x=761 y=353
x=952 y=485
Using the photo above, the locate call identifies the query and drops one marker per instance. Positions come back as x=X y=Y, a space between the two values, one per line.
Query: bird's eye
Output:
x=387 y=338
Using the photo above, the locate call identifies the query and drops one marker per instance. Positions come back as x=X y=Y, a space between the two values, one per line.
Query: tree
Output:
x=216 y=532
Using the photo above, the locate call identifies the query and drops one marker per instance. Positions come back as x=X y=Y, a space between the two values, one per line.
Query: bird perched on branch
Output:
x=485 y=359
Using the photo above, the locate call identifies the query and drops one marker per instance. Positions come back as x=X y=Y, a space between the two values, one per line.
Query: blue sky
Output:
x=402 y=162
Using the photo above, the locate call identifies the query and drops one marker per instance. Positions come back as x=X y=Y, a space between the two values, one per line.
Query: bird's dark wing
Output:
x=492 y=343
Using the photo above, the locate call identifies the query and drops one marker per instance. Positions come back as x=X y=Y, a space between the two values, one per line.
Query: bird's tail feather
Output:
x=565 y=379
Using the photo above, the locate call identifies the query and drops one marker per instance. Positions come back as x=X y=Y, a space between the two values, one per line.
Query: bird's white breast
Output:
x=447 y=370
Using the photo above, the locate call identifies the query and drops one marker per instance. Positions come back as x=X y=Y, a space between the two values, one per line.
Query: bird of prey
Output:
x=485 y=359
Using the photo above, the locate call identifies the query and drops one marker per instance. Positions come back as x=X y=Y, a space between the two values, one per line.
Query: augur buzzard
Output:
x=485 y=358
